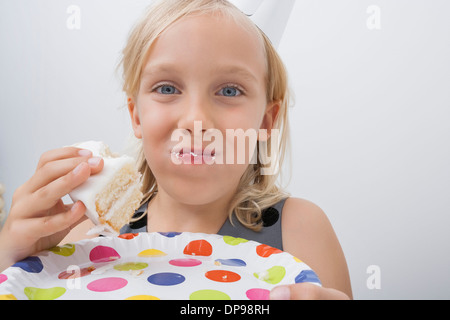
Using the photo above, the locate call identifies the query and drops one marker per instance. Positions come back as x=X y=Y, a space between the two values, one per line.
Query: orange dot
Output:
x=198 y=248
x=263 y=250
x=128 y=236
x=222 y=276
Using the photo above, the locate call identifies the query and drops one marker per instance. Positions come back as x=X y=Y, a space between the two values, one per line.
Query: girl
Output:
x=188 y=63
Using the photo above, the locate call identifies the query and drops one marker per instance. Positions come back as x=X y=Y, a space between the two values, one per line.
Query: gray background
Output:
x=370 y=126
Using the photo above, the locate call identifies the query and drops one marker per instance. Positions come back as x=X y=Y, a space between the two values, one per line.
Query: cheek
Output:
x=156 y=134
x=155 y=122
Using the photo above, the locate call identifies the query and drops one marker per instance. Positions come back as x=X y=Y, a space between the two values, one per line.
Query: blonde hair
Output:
x=255 y=191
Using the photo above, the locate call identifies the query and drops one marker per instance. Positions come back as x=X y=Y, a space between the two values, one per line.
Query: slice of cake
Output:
x=111 y=196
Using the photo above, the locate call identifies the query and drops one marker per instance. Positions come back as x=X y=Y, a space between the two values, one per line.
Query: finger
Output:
x=58 y=168
x=47 y=226
x=48 y=196
x=306 y=291
x=62 y=153
x=36 y=228
x=83 y=217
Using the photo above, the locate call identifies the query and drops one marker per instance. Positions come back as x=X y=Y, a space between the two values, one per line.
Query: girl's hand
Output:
x=38 y=218
x=306 y=291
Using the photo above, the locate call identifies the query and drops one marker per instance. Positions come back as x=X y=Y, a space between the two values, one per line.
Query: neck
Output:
x=166 y=214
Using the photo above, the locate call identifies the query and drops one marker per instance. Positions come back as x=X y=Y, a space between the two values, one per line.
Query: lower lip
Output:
x=193 y=159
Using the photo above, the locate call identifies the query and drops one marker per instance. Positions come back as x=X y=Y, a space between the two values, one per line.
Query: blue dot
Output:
x=307 y=276
x=166 y=279
x=30 y=264
x=232 y=262
x=170 y=234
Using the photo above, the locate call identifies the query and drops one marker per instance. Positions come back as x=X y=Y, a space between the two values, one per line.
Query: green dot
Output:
x=65 y=250
x=209 y=295
x=233 y=241
x=273 y=275
x=44 y=294
x=127 y=266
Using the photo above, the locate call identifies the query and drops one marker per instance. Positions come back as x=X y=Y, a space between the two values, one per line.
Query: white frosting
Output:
x=95 y=183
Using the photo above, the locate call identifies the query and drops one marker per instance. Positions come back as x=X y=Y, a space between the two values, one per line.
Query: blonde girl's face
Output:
x=203 y=70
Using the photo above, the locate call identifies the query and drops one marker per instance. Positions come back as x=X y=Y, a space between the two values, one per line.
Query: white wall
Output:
x=370 y=124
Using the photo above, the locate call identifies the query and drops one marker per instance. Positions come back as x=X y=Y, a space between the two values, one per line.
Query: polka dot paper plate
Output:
x=187 y=266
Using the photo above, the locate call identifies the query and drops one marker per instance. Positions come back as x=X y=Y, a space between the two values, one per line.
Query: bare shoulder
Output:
x=309 y=235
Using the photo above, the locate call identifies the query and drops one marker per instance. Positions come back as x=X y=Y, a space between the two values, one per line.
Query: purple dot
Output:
x=166 y=279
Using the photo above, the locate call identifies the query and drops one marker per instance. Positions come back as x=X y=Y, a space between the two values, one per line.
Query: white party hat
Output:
x=271 y=16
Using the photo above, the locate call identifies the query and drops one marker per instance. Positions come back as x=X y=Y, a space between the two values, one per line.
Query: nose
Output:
x=197 y=113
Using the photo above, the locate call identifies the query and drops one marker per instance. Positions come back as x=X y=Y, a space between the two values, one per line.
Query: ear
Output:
x=134 y=115
x=269 y=118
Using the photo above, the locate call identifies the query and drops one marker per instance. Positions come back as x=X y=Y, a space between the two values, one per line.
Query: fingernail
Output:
x=85 y=153
x=78 y=168
x=280 y=293
x=93 y=162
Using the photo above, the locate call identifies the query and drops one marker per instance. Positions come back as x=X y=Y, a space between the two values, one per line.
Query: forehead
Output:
x=215 y=39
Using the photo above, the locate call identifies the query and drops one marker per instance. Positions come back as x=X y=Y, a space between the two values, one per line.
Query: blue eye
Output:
x=166 y=89
x=230 y=92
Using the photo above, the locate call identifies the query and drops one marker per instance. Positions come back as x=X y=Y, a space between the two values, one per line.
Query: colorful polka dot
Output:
x=3 y=278
x=222 y=276
x=103 y=254
x=307 y=276
x=107 y=284
x=198 y=248
x=142 y=297
x=152 y=253
x=273 y=275
x=128 y=236
x=185 y=262
x=170 y=234
x=231 y=262
x=266 y=251
x=232 y=241
x=258 y=294
x=209 y=295
x=65 y=250
x=44 y=294
x=7 y=297
x=127 y=266
x=166 y=279
x=30 y=264
x=76 y=274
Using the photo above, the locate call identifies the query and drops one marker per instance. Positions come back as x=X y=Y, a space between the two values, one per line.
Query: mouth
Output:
x=195 y=157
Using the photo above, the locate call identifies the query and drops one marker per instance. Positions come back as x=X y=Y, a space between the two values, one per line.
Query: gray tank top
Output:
x=270 y=234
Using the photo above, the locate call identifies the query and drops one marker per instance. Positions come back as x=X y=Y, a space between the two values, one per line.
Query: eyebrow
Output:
x=221 y=69
x=238 y=70
x=158 y=68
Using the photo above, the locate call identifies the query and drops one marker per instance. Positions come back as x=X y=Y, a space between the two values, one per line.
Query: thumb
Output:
x=306 y=291
x=281 y=293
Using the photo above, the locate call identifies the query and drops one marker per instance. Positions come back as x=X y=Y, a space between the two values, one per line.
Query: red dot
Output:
x=128 y=236
x=265 y=251
x=75 y=274
x=223 y=276
x=198 y=248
